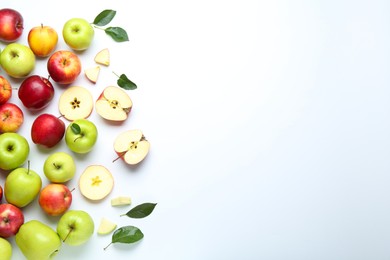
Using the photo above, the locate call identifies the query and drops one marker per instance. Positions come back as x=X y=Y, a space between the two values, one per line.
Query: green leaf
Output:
x=117 y=33
x=126 y=235
x=142 y=210
x=125 y=83
x=104 y=18
x=75 y=128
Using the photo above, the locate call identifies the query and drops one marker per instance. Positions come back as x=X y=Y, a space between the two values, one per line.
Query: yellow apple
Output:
x=42 y=40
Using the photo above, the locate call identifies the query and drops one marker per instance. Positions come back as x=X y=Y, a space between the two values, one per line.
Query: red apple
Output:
x=5 y=90
x=36 y=92
x=55 y=199
x=11 y=218
x=1 y=193
x=11 y=25
x=11 y=118
x=47 y=130
x=64 y=66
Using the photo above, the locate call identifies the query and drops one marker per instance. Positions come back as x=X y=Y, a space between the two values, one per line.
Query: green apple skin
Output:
x=22 y=186
x=59 y=167
x=5 y=249
x=78 y=34
x=14 y=150
x=17 y=60
x=38 y=241
x=84 y=141
x=75 y=227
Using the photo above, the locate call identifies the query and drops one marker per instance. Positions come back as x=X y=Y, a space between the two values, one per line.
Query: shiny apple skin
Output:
x=47 y=130
x=64 y=67
x=36 y=92
x=11 y=25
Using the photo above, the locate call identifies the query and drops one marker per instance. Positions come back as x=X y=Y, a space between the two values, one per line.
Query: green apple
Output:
x=59 y=167
x=37 y=241
x=75 y=227
x=17 y=60
x=22 y=186
x=81 y=135
x=78 y=34
x=5 y=249
x=14 y=150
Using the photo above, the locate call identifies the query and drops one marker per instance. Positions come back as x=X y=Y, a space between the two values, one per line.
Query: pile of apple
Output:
x=23 y=185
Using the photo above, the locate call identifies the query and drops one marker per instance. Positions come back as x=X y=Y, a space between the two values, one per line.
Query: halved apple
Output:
x=92 y=73
x=120 y=201
x=96 y=182
x=103 y=57
x=106 y=226
x=75 y=103
x=131 y=146
x=114 y=104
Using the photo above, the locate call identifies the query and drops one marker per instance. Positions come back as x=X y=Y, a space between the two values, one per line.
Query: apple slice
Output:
x=106 y=226
x=92 y=73
x=76 y=103
x=96 y=182
x=120 y=201
x=114 y=104
x=103 y=57
x=131 y=146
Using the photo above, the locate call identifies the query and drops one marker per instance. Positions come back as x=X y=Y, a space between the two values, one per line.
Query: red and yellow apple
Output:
x=11 y=218
x=42 y=40
x=55 y=199
x=64 y=66
x=5 y=90
x=36 y=92
x=11 y=25
x=11 y=118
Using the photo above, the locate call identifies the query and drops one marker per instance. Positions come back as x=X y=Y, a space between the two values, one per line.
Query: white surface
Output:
x=268 y=122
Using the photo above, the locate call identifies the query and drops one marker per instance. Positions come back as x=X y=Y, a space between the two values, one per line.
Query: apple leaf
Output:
x=104 y=18
x=126 y=235
x=125 y=83
x=141 y=211
x=117 y=33
x=75 y=128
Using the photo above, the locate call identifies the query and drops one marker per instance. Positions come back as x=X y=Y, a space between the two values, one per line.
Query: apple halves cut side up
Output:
x=114 y=104
x=103 y=57
x=96 y=182
x=75 y=103
x=92 y=74
x=131 y=146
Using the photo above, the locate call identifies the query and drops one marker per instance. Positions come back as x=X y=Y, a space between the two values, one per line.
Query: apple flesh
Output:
x=96 y=182
x=11 y=118
x=55 y=199
x=75 y=103
x=42 y=40
x=11 y=218
x=5 y=90
x=14 y=150
x=11 y=25
x=64 y=66
x=92 y=74
x=106 y=226
x=103 y=57
x=36 y=92
x=114 y=104
x=131 y=146
x=47 y=130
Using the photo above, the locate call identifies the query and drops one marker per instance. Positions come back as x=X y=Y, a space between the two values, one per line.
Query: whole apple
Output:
x=59 y=167
x=75 y=227
x=11 y=25
x=78 y=33
x=42 y=40
x=36 y=92
x=14 y=150
x=17 y=60
x=11 y=118
x=47 y=130
x=64 y=66
x=5 y=90
x=5 y=249
x=81 y=135
x=55 y=199
x=11 y=218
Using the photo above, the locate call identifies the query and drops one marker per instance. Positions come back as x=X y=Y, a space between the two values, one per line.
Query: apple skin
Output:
x=42 y=40
x=11 y=25
x=55 y=199
x=14 y=150
x=1 y=193
x=78 y=34
x=84 y=141
x=36 y=92
x=5 y=249
x=75 y=227
x=5 y=90
x=11 y=218
x=64 y=66
x=17 y=60
x=59 y=167
x=11 y=118
x=47 y=130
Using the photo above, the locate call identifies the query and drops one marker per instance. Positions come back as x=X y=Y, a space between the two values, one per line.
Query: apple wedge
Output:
x=92 y=73
x=113 y=104
x=131 y=146
x=103 y=57
x=96 y=182
x=75 y=103
x=120 y=201
x=106 y=226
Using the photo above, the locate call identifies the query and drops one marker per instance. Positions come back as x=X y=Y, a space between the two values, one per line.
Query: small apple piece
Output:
x=5 y=90
x=42 y=40
x=131 y=146
x=64 y=66
x=103 y=57
x=11 y=118
x=120 y=201
x=55 y=199
x=17 y=60
x=75 y=227
x=11 y=218
x=59 y=167
x=96 y=182
x=14 y=150
x=92 y=73
x=47 y=130
x=114 y=104
x=75 y=103
x=106 y=226
x=5 y=249
x=11 y=25
x=36 y=92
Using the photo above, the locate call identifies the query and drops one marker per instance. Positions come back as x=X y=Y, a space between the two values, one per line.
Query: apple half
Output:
x=96 y=182
x=131 y=146
x=92 y=73
x=113 y=104
x=103 y=57
x=75 y=103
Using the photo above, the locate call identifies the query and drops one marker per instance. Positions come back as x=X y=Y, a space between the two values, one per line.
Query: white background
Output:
x=268 y=123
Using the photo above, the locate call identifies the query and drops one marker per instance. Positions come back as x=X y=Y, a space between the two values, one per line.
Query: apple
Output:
x=11 y=218
x=96 y=182
x=75 y=103
x=5 y=90
x=78 y=33
x=92 y=73
x=75 y=227
x=11 y=118
x=103 y=57
x=59 y=167
x=11 y=25
x=64 y=66
x=17 y=60
x=81 y=135
x=120 y=201
x=114 y=104
x=106 y=226
x=55 y=199
x=131 y=146
x=22 y=186
x=42 y=40
x=14 y=150
x=1 y=193
x=36 y=92
x=5 y=249
x=47 y=130
x=37 y=240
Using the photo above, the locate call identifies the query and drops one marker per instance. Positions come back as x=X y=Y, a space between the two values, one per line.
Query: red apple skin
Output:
x=11 y=118
x=55 y=199
x=1 y=193
x=36 y=92
x=11 y=25
x=5 y=90
x=47 y=130
x=11 y=218
x=64 y=66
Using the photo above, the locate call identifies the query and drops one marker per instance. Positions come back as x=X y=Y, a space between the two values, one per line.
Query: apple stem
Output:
x=107 y=246
x=120 y=156
x=28 y=166
x=71 y=229
x=72 y=189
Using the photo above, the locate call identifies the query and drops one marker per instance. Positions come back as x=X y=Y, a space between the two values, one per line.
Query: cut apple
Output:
x=120 y=201
x=96 y=182
x=103 y=57
x=75 y=103
x=92 y=73
x=131 y=146
x=106 y=226
x=114 y=104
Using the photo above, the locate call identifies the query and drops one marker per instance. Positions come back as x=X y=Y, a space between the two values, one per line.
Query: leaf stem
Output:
x=107 y=246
